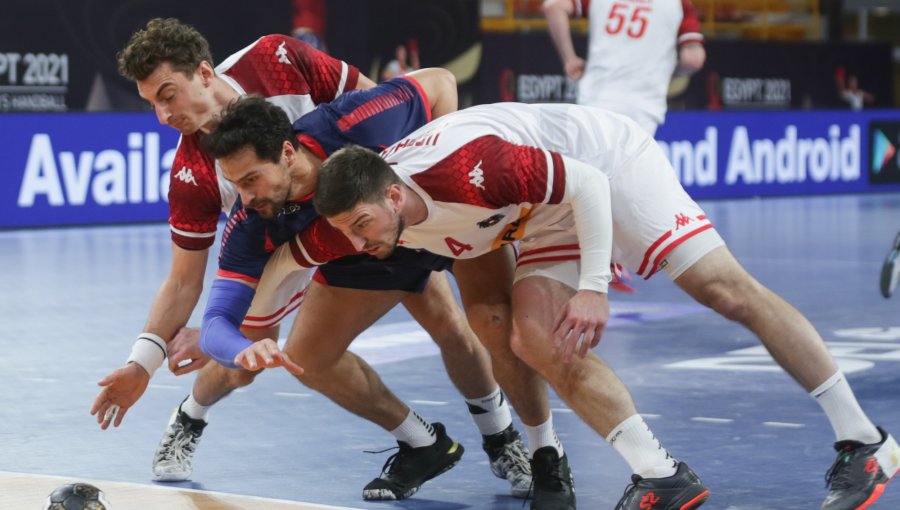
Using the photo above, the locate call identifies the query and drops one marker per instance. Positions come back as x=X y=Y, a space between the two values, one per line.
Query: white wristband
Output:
x=148 y=351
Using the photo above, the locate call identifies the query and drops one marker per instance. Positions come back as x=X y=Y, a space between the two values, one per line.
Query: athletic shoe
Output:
x=860 y=473
x=172 y=461
x=509 y=460
x=681 y=491
x=406 y=471
x=554 y=488
x=890 y=271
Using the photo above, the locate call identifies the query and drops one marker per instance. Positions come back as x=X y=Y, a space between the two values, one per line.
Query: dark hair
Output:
x=164 y=40
x=250 y=121
x=351 y=176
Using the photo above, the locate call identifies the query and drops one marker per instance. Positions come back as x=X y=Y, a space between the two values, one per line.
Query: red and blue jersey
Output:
x=373 y=118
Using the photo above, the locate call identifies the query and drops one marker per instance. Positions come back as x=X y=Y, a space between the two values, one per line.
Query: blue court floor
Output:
x=74 y=299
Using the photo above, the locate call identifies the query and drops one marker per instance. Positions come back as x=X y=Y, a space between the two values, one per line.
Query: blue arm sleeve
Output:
x=220 y=335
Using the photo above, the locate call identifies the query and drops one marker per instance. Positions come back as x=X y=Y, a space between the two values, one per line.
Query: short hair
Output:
x=250 y=121
x=163 y=40
x=349 y=177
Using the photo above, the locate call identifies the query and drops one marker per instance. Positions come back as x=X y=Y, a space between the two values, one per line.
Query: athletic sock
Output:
x=847 y=419
x=636 y=443
x=415 y=431
x=194 y=410
x=490 y=413
x=543 y=435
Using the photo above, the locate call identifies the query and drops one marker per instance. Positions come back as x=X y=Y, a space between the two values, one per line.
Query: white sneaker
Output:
x=173 y=457
x=509 y=460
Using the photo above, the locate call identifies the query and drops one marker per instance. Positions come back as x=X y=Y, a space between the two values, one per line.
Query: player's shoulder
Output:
x=192 y=167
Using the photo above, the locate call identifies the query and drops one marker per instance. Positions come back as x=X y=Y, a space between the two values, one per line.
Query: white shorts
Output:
x=656 y=225
x=280 y=290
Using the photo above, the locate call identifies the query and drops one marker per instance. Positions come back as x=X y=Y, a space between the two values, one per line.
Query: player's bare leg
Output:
x=469 y=367
x=600 y=399
x=328 y=321
x=718 y=281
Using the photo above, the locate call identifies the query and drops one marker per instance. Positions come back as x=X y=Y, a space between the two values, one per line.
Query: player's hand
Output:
x=121 y=389
x=574 y=68
x=184 y=352
x=266 y=354
x=580 y=323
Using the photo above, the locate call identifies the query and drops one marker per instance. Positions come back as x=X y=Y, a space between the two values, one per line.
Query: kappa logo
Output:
x=476 y=176
x=281 y=53
x=682 y=220
x=490 y=222
x=186 y=175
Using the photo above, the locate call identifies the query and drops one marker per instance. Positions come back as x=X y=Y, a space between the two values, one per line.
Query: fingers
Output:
x=288 y=364
x=109 y=416
x=186 y=368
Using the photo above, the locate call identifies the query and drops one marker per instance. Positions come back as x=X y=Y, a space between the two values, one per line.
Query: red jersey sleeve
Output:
x=280 y=64
x=689 y=31
x=319 y=243
x=195 y=201
x=491 y=172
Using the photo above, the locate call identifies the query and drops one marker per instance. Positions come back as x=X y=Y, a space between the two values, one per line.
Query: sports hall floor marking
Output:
x=706 y=419
x=22 y=492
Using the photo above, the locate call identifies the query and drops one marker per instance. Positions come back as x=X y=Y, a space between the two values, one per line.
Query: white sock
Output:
x=636 y=443
x=194 y=410
x=542 y=435
x=415 y=431
x=847 y=419
x=490 y=413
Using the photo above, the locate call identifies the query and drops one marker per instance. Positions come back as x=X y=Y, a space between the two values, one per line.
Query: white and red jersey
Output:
x=632 y=52
x=495 y=174
x=290 y=74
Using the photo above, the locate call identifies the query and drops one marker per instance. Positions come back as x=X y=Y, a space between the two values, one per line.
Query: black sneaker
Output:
x=681 y=491
x=860 y=473
x=554 y=488
x=509 y=460
x=172 y=461
x=890 y=270
x=405 y=471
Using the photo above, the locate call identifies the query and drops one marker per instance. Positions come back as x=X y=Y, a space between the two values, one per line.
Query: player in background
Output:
x=172 y=66
x=633 y=49
x=274 y=170
x=471 y=181
x=890 y=270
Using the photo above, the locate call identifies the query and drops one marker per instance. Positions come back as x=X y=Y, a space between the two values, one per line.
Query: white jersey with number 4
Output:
x=632 y=52
x=500 y=173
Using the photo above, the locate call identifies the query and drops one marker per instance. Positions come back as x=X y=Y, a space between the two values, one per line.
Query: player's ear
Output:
x=394 y=196
x=206 y=72
x=288 y=152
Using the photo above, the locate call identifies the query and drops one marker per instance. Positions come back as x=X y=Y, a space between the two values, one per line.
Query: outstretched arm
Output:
x=170 y=311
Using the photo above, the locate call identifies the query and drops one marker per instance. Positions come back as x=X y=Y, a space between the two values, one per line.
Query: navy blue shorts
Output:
x=405 y=269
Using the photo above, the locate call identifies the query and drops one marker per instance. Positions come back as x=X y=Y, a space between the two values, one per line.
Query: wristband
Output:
x=148 y=351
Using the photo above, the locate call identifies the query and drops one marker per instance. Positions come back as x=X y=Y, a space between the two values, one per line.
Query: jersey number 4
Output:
x=457 y=247
x=632 y=18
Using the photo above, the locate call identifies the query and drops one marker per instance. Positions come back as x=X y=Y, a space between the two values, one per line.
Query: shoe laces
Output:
x=395 y=462
x=179 y=445
x=838 y=475
x=550 y=473
x=512 y=459
x=630 y=488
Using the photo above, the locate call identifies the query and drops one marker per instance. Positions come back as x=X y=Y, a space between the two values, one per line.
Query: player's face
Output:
x=264 y=186
x=372 y=228
x=184 y=103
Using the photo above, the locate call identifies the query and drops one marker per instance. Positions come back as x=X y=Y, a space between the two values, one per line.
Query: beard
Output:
x=396 y=231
